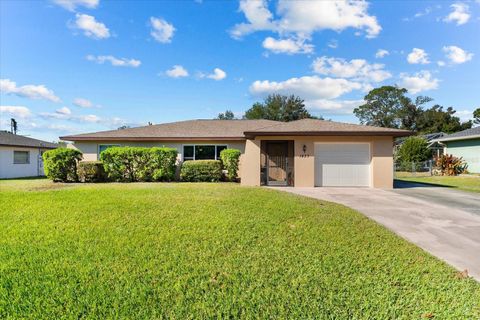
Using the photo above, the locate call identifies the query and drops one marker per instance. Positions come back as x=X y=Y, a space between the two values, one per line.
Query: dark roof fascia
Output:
x=253 y=134
x=24 y=146
x=80 y=138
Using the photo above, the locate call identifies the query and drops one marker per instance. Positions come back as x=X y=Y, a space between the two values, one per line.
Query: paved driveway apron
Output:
x=442 y=221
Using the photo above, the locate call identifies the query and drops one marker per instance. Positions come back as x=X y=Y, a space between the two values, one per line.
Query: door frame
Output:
x=370 y=170
x=267 y=167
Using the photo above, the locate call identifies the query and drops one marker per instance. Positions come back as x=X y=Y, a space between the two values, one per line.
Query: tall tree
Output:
x=476 y=116
x=279 y=108
x=436 y=119
x=383 y=107
x=227 y=115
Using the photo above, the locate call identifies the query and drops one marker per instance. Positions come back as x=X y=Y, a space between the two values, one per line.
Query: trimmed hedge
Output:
x=130 y=164
x=230 y=160
x=91 y=171
x=60 y=164
x=201 y=171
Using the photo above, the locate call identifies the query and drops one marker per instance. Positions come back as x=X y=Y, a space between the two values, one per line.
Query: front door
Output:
x=277 y=163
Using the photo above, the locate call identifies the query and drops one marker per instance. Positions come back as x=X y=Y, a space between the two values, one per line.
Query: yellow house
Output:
x=302 y=153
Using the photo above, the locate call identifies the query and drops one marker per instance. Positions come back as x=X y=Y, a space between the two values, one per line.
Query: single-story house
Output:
x=21 y=156
x=465 y=144
x=302 y=153
x=432 y=140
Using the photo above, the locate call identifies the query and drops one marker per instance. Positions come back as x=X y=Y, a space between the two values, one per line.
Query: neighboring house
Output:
x=21 y=156
x=465 y=144
x=302 y=153
x=432 y=140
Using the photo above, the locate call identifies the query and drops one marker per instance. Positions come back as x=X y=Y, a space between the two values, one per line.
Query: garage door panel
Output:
x=342 y=165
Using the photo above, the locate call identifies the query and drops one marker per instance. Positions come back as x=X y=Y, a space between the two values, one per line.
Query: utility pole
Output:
x=13 y=126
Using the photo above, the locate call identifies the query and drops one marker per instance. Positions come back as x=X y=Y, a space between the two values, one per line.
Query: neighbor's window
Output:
x=21 y=157
x=103 y=147
x=202 y=152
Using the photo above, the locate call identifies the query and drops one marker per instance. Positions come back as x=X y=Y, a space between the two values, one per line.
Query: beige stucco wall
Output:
x=381 y=149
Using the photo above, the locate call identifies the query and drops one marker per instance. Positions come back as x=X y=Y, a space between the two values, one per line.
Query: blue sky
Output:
x=70 y=66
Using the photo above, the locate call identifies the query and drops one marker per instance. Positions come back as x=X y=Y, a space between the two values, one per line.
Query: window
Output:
x=21 y=157
x=202 y=152
x=103 y=147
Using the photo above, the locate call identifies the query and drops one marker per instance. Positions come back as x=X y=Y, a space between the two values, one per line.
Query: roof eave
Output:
x=476 y=136
x=23 y=146
x=252 y=134
x=80 y=138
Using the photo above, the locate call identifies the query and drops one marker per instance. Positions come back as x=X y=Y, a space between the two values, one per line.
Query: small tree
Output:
x=61 y=164
x=414 y=149
x=227 y=115
x=230 y=159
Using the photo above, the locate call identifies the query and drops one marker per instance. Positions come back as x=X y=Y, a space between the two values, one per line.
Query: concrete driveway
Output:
x=440 y=220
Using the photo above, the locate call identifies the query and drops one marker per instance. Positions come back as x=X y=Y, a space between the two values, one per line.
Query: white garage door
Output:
x=342 y=165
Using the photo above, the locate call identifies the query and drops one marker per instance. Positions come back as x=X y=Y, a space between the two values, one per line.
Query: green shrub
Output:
x=91 y=171
x=139 y=164
x=201 y=171
x=230 y=160
x=60 y=164
x=414 y=149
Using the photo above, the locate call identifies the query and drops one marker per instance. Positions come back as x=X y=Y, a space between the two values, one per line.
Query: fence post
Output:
x=413 y=169
x=430 y=166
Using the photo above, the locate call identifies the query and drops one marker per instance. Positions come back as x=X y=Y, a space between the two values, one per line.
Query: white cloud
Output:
x=218 y=74
x=308 y=87
x=91 y=27
x=116 y=62
x=460 y=14
x=305 y=17
x=358 y=69
x=381 y=53
x=162 y=31
x=457 y=55
x=288 y=46
x=64 y=111
x=71 y=5
x=333 y=44
x=420 y=81
x=28 y=91
x=83 y=103
x=333 y=106
x=16 y=111
x=177 y=71
x=441 y=63
x=418 y=56
x=90 y=118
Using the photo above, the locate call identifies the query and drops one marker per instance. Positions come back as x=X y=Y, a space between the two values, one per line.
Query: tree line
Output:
x=387 y=106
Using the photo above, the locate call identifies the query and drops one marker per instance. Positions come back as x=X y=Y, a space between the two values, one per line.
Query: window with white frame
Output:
x=202 y=152
x=103 y=147
x=21 y=157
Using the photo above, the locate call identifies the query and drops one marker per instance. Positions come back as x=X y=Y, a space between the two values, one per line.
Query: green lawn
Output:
x=467 y=183
x=189 y=251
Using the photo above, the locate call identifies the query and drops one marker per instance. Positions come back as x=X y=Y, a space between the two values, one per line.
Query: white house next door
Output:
x=342 y=165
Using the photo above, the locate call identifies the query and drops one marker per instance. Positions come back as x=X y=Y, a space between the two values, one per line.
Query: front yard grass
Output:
x=469 y=183
x=190 y=251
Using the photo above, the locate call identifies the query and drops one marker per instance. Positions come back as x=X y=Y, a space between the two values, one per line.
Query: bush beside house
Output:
x=414 y=150
x=201 y=171
x=91 y=171
x=60 y=164
x=230 y=160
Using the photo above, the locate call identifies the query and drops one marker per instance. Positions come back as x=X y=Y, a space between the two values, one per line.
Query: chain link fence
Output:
x=413 y=169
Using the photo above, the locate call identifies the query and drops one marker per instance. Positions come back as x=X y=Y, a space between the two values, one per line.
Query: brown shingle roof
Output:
x=324 y=127
x=182 y=130
x=10 y=139
x=233 y=130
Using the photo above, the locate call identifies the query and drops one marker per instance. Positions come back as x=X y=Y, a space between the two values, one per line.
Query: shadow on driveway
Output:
x=401 y=184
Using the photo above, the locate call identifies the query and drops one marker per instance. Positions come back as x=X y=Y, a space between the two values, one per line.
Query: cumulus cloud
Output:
x=381 y=53
x=460 y=14
x=16 y=111
x=162 y=31
x=64 y=111
x=91 y=27
x=83 y=103
x=288 y=46
x=116 y=62
x=418 y=56
x=308 y=87
x=420 y=81
x=71 y=5
x=28 y=91
x=305 y=17
x=177 y=71
x=357 y=69
x=217 y=74
x=333 y=106
x=457 y=55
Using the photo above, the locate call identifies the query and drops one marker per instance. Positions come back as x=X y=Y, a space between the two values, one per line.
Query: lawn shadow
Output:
x=402 y=184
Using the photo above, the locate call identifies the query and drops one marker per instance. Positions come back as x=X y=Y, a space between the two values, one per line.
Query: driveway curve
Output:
x=440 y=220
